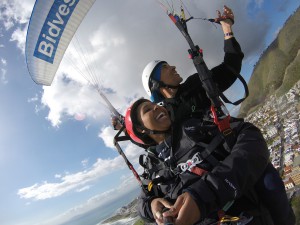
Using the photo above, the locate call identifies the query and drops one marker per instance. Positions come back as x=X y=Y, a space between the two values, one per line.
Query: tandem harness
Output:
x=202 y=153
x=160 y=172
x=208 y=150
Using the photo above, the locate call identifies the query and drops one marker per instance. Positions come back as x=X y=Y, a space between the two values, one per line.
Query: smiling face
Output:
x=169 y=75
x=153 y=117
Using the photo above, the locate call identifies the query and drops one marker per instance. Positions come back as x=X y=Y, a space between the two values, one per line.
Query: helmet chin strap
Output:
x=162 y=84
x=159 y=84
x=148 y=131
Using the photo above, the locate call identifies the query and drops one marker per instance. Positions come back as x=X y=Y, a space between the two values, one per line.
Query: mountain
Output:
x=278 y=68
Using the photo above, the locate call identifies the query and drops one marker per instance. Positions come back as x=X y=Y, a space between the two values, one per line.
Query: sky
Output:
x=57 y=158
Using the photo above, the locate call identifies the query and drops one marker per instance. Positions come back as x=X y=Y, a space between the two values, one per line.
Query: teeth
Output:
x=160 y=115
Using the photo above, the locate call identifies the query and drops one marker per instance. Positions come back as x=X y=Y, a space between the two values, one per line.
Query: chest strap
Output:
x=205 y=154
x=191 y=165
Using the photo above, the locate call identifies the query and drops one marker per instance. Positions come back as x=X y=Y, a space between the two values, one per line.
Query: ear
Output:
x=155 y=86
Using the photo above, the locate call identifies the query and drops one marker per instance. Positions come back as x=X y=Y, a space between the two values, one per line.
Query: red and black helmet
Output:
x=132 y=123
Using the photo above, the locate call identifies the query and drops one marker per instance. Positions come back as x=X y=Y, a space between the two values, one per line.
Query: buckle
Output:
x=189 y=164
x=227 y=131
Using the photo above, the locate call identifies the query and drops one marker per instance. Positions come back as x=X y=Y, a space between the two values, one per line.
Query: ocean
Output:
x=122 y=222
x=96 y=216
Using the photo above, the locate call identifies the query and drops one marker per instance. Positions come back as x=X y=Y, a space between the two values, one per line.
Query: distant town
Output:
x=278 y=120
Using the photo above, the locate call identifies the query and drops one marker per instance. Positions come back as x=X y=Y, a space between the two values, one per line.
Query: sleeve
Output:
x=144 y=207
x=234 y=176
x=226 y=73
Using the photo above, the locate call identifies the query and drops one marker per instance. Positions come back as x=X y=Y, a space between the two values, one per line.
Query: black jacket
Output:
x=191 y=100
x=233 y=178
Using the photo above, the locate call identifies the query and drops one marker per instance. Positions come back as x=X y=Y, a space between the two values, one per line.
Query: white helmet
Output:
x=147 y=74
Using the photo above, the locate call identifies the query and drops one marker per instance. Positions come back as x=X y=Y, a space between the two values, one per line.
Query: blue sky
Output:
x=57 y=158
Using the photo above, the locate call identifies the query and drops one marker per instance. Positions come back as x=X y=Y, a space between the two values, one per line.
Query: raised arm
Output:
x=226 y=73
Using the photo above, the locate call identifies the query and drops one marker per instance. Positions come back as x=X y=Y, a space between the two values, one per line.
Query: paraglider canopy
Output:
x=52 y=25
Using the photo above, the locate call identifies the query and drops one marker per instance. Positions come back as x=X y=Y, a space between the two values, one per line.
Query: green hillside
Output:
x=278 y=68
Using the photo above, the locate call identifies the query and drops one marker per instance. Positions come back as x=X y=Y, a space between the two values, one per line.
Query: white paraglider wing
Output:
x=52 y=25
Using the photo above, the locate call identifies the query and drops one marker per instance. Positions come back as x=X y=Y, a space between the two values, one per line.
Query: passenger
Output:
x=201 y=178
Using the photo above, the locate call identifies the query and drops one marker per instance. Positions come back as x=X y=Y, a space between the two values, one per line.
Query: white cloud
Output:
x=38 y=108
x=85 y=188
x=19 y=36
x=77 y=181
x=87 y=126
x=14 y=16
x=15 y=12
x=57 y=175
x=71 y=181
x=71 y=99
x=33 y=99
x=3 y=61
x=3 y=71
x=84 y=162
x=1 y=32
x=106 y=38
x=107 y=134
x=3 y=79
x=101 y=200
x=71 y=96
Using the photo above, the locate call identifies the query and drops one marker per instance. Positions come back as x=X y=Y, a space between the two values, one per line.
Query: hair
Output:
x=137 y=124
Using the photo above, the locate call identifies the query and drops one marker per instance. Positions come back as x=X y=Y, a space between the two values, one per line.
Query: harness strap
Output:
x=198 y=171
x=168 y=104
x=191 y=165
x=159 y=164
x=206 y=155
x=230 y=138
x=225 y=99
x=208 y=150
